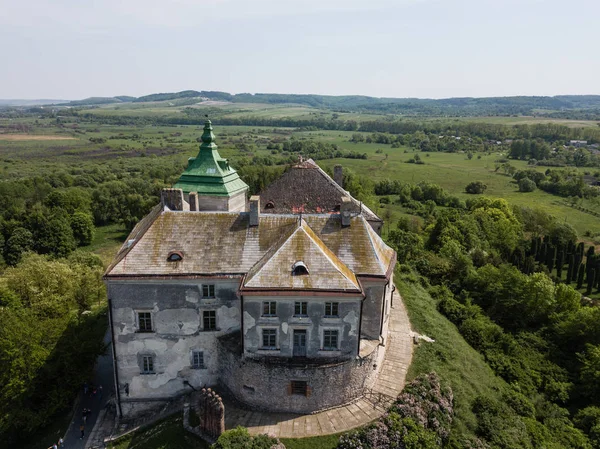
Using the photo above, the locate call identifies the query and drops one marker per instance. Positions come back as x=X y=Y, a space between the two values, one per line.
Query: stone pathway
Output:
x=103 y=375
x=388 y=385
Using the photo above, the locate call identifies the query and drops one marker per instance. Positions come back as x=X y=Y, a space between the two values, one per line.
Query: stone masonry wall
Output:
x=267 y=386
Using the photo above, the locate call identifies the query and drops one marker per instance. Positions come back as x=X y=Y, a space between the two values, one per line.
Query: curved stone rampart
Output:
x=267 y=386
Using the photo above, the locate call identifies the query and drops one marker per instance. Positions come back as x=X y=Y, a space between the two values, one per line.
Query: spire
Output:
x=209 y=173
x=208 y=138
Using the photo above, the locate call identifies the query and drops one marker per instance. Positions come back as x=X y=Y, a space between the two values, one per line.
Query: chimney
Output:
x=172 y=198
x=193 y=201
x=254 y=210
x=338 y=175
x=345 y=211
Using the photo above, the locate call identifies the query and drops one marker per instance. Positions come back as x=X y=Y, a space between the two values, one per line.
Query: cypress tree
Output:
x=580 y=274
x=580 y=248
x=534 y=247
x=541 y=255
x=591 y=281
x=590 y=254
x=550 y=257
x=529 y=265
x=560 y=262
x=571 y=269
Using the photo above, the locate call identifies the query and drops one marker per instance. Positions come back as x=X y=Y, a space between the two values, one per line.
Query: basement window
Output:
x=299 y=388
x=299 y=269
x=175 y=256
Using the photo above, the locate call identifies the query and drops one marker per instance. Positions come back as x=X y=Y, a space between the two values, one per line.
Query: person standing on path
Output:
x=82 y=429
x=61 y=443
x=100 y=390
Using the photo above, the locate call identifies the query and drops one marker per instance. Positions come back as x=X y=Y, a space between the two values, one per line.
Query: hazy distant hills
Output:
x=563 y=106
x=17 y=102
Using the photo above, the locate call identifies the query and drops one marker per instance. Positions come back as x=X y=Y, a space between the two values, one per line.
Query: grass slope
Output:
x=457 y=363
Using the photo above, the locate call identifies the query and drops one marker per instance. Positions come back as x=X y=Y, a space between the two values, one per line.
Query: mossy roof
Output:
x=223 y=243
x=325 y=270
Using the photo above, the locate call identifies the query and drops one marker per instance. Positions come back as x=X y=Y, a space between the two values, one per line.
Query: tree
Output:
x=82 y=225
x=591 y=278
x=590 y=371
x=475 y=187
x=20 y=241
x=526 y=185
x=563 y=234
x=580 y=275
x=357 y=137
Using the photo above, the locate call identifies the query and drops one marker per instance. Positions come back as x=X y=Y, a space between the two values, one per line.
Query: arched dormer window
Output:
x=175 y=256
x=299 y=269
x=270 y=205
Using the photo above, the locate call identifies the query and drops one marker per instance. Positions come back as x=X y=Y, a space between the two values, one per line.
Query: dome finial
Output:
x=208 y=138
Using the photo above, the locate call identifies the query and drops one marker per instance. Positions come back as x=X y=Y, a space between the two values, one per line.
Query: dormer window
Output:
x=299 y=269
x=175 y=256
x=270 y=205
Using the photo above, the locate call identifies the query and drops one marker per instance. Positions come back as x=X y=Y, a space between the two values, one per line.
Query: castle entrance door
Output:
x=299 y=343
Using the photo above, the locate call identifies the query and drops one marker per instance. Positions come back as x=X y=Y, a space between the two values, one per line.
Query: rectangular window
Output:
x=330 y=340
x=269 y=308
x=300 y=309
x=299 y=387
x=144 y=321
x=197 y=359
x=269 y=338
x=209 y=320
x=147 y=364
x=331 y=309
x=208 y=291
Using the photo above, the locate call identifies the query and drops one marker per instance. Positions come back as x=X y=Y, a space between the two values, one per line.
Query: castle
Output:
x=283 y=301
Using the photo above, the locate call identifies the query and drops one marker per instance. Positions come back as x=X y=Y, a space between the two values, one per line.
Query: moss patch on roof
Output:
x=222 y=243
x=326 y=270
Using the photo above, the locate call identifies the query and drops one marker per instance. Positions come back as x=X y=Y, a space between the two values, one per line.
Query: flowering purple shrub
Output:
x=428 y=403
x=419 y=419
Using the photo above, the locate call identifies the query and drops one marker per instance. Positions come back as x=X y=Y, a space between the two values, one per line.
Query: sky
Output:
x=73 y=49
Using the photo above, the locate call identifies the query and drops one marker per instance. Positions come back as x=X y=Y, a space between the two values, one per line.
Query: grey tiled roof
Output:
x=222 y=243
x=306 y=188
x=326 y=270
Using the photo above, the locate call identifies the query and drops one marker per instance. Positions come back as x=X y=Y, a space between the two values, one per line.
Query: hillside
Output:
x=582 y=107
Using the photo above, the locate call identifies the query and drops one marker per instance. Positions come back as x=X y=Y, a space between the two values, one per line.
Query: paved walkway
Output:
x=389 y=384
x=103 y=375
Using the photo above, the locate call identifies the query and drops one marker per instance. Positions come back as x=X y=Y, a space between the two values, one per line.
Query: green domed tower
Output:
x=217 y=184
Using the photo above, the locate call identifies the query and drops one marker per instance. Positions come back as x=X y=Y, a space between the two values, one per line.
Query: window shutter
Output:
x=308 y=391
x=289 y=389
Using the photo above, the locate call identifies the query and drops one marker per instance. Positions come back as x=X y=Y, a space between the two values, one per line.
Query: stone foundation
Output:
x=265 y=384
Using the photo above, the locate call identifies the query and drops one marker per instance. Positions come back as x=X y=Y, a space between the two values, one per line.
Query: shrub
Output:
x=239 y=438
x=526 y=185
x=475 y=187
